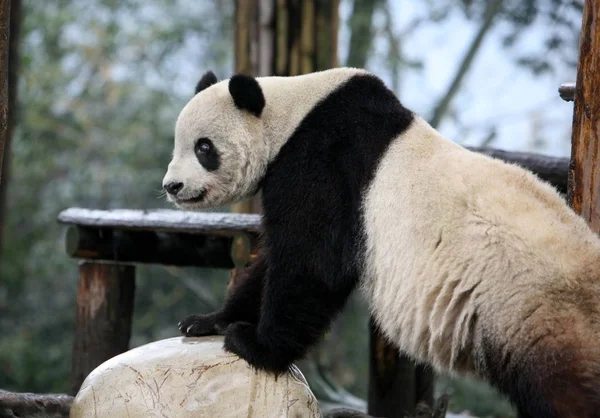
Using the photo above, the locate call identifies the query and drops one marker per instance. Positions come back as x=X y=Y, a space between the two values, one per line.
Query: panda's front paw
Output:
x=200 y=325
x=241 y=339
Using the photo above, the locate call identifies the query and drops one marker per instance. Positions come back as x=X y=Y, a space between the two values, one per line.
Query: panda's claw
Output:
x=198 y=325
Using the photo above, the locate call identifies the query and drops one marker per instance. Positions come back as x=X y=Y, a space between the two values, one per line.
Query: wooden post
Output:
x=4 y=45
x=282 y=37
x=396 y=383
x=103 y=322
x=13 y=77
x=584 y=171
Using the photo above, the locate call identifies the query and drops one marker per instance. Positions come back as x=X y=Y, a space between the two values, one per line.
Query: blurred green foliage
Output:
x=101 y=83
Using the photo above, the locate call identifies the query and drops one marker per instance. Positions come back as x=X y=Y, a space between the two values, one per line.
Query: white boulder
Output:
x=190 y=377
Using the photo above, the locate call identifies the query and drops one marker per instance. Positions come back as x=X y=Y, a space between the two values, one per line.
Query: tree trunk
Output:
x=584 y=176
x=361 y=32
x=4 y=46
x=13 y=72
x=284 y=38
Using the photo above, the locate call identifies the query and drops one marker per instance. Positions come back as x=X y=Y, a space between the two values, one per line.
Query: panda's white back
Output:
x=458 y=244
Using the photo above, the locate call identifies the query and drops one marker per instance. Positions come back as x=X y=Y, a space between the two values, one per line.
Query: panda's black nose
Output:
x=173 y=188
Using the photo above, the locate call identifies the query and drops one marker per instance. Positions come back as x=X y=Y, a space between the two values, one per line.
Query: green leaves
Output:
x=101 y=84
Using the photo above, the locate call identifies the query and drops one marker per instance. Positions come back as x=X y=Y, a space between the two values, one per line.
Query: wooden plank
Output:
x=584 y=175
x=227 y=224
x=103 y=322
x=165 y=248
x=554 y=170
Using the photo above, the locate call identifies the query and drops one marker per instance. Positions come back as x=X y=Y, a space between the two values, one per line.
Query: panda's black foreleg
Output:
x=242 y=304
x=297 y=309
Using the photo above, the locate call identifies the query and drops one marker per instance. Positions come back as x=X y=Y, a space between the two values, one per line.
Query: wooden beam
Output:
x=554 y=170
x=151 y=247
x=584 y=173
x=4 y=46
x=103 y=321
x=213 y=223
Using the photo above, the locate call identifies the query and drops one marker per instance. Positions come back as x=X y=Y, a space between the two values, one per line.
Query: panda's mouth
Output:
x=195 y=199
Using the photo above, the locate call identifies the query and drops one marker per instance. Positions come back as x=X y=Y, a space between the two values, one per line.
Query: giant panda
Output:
x=469 y=264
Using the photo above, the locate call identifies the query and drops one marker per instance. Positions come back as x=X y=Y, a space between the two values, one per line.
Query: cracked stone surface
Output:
x=190 y=377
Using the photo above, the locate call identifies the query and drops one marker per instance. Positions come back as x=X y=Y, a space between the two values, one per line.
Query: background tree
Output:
x=13 y=77
x=4 y=47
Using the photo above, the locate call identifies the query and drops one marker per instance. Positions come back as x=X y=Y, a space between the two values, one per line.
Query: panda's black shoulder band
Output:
x=247 y=94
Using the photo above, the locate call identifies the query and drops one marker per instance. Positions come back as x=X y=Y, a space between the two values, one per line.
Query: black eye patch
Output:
x=207 y=154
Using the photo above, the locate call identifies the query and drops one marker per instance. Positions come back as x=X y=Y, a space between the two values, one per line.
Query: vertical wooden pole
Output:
x=13 y=78
x=584 y=171
x=396 y=383
x=103 y=322
x=4 y=45
x=282 y=37
x=253 y=41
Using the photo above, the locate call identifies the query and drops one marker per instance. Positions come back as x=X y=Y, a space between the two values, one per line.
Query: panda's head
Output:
x=219 y=155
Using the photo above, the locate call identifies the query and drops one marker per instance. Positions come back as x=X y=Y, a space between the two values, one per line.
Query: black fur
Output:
x=210 y=160
x=208 y=79
x=513 y=377
x=247 y=94
x=552 y=380
x=312 y=195
x=243 y=304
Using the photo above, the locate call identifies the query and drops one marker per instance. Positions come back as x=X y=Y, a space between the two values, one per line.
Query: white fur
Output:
x=506 y=242
x=246 y=143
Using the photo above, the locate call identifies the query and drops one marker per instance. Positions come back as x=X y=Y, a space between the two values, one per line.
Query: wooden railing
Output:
x=110 y=243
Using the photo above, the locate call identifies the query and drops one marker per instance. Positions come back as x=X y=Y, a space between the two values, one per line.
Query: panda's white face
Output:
x=219 y=155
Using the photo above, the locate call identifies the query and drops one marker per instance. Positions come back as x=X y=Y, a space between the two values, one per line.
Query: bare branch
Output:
x=493 y=8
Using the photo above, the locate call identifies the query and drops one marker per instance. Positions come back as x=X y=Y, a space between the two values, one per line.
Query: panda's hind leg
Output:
x=242 y=304
x=551 y=369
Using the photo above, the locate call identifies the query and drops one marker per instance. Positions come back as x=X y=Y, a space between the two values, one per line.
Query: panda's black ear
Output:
x=247 y=94
x=208 y=79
